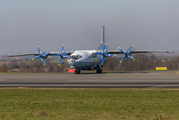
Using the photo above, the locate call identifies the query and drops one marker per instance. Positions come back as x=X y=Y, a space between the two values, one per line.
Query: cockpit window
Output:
x=75 y=56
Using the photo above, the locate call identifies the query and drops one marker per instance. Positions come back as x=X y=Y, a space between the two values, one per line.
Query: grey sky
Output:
x=146 y=24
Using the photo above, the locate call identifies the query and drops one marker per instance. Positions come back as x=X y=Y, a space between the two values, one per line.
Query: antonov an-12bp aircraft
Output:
x=89 y=59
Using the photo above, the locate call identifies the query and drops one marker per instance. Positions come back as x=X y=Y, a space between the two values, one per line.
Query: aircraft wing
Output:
x=36 y=54
x=23 y=54
x=137 y=51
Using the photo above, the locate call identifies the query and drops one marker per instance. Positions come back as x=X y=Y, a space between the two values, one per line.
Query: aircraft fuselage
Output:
x=85 y=60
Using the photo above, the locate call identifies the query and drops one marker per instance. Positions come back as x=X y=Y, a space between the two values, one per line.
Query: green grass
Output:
x=88 y=104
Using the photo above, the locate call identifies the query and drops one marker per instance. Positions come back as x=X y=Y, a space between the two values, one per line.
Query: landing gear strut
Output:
x=99 y=71
x=77 y=71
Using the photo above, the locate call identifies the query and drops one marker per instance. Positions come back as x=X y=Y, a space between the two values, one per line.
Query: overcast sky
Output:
x=146 y=24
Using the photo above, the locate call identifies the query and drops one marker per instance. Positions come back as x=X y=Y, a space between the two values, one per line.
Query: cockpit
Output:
x=75 y=56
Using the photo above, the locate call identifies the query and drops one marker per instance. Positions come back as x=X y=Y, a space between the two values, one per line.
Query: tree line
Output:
x=142 y=62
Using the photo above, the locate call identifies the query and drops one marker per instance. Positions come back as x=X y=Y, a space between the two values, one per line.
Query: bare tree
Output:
x=24 y=68
x=4 y=68
x=51 y=68
x=14 y=64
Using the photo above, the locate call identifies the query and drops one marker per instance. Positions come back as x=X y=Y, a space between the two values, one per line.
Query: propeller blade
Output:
x=61 y=55
x=43 y=61
x=60 y=61
x=35 y=58
x=45 y=54
x=41 y=55
x=122 y=59
x=126 y=54
x=102 y=60
x=121 y=50
x=62 y=49
x=131 y=57
x=39 y=50
x=104 y=48
x=130 y=48
x=109 y=55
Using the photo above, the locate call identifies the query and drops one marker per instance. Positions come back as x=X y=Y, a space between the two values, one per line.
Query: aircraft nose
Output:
x=71 y=62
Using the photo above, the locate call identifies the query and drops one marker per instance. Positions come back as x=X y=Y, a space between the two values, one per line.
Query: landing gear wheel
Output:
x=77 y=71
x=99 y=71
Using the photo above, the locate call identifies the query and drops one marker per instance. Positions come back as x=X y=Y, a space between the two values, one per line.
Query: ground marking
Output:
x=113 y=74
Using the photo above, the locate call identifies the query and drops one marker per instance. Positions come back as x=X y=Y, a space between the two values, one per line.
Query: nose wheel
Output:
x=77 y=71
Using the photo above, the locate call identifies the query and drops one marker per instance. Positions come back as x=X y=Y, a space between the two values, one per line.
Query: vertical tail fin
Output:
x=102 y=40
x=103 y=35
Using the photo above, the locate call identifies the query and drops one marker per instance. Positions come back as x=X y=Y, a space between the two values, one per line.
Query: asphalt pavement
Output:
x=151 y=79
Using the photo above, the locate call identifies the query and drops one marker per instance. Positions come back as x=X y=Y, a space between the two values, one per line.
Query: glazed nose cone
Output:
x=71 y=62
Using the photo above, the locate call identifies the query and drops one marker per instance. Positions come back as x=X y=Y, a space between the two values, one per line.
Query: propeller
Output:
x=61 y=55
x=103 y=54
x=126 y=53
x=41 y=55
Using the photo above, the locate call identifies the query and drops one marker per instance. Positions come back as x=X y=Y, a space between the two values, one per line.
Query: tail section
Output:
x=102 y=40
x=103 y=35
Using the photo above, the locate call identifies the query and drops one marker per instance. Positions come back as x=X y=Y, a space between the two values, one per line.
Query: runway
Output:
x=155 y=79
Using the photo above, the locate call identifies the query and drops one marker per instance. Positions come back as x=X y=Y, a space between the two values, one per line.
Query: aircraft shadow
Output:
x=126 y=72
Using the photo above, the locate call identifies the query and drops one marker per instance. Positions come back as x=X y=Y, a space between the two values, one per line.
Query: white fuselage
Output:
x=85 y=60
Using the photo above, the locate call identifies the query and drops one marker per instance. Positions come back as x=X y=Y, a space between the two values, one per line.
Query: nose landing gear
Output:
x=77 y=71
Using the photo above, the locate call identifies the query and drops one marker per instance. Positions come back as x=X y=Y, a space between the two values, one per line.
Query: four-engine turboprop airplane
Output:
x=89 y=59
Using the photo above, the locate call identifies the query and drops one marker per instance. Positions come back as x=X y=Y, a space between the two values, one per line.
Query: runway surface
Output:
x=155 y=79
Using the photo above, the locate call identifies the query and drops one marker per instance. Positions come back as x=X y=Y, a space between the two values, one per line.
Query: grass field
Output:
x=88 y=104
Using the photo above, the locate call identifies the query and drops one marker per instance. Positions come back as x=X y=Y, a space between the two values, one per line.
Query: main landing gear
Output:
x=99 y=71
x=77 y=71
